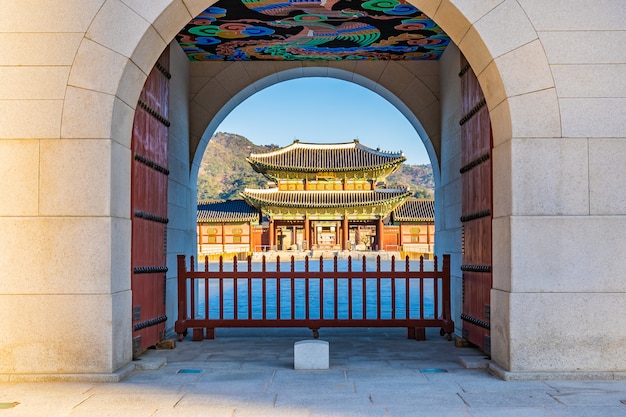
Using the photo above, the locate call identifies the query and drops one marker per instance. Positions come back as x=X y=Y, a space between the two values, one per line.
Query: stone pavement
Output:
x=373 y=372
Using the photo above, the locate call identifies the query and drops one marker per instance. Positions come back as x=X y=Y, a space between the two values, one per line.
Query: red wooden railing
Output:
x=314 y=299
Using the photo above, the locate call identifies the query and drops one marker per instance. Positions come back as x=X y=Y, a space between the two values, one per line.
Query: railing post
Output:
x=447 y=326
x=179 y=326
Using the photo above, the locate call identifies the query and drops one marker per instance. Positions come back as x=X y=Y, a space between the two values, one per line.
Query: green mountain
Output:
x=224 y=171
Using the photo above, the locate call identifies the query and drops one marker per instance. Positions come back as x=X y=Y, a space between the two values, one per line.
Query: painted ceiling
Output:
x=302 y=30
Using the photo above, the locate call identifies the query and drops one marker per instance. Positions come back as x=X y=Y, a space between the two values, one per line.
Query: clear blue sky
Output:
x=324 y=110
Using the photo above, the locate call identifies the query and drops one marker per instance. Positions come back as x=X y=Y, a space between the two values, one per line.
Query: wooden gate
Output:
x=476 y=217
x=149 y=208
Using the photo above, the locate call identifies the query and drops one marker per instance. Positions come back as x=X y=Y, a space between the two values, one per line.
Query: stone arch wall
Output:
x=557 y=143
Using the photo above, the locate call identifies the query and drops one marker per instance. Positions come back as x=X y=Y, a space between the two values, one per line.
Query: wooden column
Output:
x=272 y=235
x=344 y=233
x=223 y=237
x=307 y=231
x=379 y=233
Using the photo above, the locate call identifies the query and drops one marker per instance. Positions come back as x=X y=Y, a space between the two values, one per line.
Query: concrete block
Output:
x=311 y=354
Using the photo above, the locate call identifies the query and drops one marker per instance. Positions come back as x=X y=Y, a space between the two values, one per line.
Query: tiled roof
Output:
x=415 y=209
x=226 y=211
x=315 y=157
x=323 y=199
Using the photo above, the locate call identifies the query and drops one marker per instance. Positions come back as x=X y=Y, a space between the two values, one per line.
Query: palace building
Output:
x=327 y=196
x=323 y=197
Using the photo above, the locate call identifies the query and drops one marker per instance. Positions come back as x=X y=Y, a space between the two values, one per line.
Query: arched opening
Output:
x=316 y=110
x=236 y=94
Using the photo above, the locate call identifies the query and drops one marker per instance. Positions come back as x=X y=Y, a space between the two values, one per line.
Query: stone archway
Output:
x=109 y=47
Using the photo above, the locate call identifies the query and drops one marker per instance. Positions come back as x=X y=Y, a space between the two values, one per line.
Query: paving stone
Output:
x=250 y=373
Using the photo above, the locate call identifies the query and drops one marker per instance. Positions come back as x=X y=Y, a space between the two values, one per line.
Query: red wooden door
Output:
x=476 y=210
x=149 y=208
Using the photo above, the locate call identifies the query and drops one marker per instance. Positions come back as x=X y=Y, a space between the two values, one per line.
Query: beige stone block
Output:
x=199 y=119
x=395 y=78
x=575 y=15
x=196 y=151
x=475 y=50
x=500 y=328
x=433 y=148
x=200 y=69
x=501 y=255
x=75 y=177
x=450 y=88
x=593 y=80
x=450 y=166
x=148 y=50
x=288 y=71
x=429 y=7
x=343 y=67
x=151 y=11
x=212 y=97
x=56 y=333
x=370 y=70
x=520 y=71
x=501 y=124
x=118 y=27
x=452 y=20
x=120 y=263
x=121 y=161
x=261 y=72
x=130 y=84
x=593 y=117
x=555 y=332
x=340 y=74
x=452 y=193
x=432 y=83
x=196 y=7
x=87 y=71
x=422 y=69
x=19 y=177
x=73 y=255
x=567 y=254
x=312 y=69
x=52 y=48
x=121 y=309
x=475 y=10
x=492 y=85
x=607 y=194
x=171 y=19
x=33 y=82
x=180 y=69
x=535 y=114
x=431 y=119
x=501 y=165
x=122 y=125
x=87 y=114
x=370 y=85
x=451 y=222
x=417 y=96
x=234 y=79
x=563 y=47
x=505 y=28
x=53 y=16
x=551 y=175
x=31 y=119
